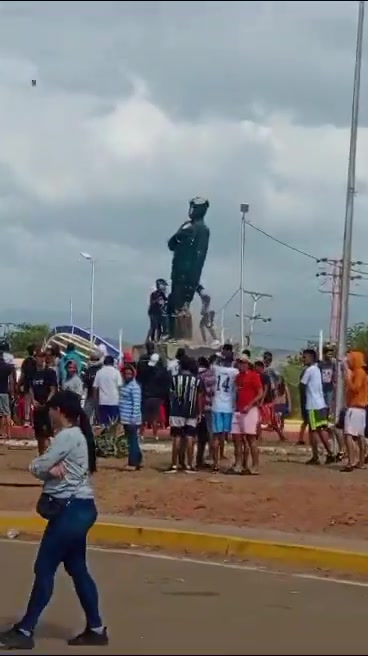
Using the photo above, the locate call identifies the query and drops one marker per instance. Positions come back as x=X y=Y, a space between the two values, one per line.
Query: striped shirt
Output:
x=184 y=392
x=130 y=400
x=208 y=378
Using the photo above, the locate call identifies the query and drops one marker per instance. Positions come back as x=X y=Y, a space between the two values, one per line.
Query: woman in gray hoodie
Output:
x=68 y=503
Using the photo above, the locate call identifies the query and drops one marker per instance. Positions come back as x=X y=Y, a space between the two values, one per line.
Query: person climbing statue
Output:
x=207 y=321
x=157 y=311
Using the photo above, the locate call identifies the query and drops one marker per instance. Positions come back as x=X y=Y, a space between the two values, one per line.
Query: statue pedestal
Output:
x=167 y=350
x=183 y=326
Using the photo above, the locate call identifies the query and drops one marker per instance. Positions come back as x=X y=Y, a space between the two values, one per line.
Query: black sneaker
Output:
x=90 y=638
x=16 y=639
x=172 y=470
x=312 y=461
x=330 y=459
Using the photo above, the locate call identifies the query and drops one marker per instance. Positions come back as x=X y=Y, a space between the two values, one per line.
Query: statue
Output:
x=189 y=246
x=157 y=312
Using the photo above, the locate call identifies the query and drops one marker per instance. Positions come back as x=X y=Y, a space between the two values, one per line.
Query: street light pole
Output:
x=244 y=208
x=71 y=311
x=90 y=259
x=92 y=302
x=349 y=215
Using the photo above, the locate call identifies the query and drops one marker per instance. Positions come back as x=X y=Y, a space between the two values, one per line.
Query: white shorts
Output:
x=245 y=424
x=355 y=422
x=180 y=422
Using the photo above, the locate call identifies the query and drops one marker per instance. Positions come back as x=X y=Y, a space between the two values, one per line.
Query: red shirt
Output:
x=248 y=386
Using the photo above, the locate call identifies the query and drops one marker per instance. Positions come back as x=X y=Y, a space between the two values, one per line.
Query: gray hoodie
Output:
x=69 y=447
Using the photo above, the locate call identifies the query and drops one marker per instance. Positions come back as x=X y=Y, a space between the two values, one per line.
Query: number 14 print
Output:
x=223 y=383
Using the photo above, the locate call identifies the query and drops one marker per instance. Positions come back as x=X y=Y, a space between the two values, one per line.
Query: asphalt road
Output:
x=155 y=606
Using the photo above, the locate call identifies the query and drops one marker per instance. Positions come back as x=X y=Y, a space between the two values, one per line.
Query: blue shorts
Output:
x=108 y=414
x=221 y=422
x=282 y=409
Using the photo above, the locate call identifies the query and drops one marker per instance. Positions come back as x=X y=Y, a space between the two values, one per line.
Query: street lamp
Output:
x=244 y=209
x=90 y=259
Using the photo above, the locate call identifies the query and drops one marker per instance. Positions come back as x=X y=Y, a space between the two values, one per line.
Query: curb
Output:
x=180 y=541
x=165 y=447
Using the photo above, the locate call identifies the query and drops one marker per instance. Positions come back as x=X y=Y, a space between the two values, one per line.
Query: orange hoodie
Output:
x=357 y=381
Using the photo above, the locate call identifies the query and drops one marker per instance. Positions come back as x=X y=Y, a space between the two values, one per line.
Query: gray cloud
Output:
x=139 y=106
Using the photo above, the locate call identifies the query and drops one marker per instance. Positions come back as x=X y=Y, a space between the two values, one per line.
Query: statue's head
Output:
x=197 y=208
x=161 y=285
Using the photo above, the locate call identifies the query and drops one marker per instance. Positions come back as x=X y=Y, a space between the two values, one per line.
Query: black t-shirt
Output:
x=28 y=369
x=156 y=382
x=302 y=391
x=266 y=382
x=184 y=395
x=89 y=378
x=41 y=383
x=328 y=375
x=5 y=370
x=158 y=302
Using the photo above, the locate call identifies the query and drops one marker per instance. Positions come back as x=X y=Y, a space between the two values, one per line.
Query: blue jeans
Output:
x=134 y=450
x=65 y=541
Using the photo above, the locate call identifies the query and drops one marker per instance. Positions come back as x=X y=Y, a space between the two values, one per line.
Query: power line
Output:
x=283 y=243
x=299 y=250
x=316 y=259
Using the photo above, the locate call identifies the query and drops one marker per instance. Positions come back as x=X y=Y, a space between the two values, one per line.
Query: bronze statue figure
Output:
x=189 y=246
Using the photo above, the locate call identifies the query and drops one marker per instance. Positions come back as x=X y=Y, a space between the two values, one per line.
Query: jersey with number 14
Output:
x=224 y=396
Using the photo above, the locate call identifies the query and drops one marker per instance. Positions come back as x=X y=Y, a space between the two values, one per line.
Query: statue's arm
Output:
x=183 y=234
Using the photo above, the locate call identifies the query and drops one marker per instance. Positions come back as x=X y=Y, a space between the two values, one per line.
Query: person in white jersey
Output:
x=316 y=408
x=223 y=403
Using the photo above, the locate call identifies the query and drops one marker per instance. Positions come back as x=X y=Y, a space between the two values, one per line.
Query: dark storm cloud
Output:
x=216 y=57
x=141 y=105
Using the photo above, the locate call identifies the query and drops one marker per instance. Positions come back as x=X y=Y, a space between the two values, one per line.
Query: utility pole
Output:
x=256 y=296
x=335 y=303
x=349 y=214
x=333 y=271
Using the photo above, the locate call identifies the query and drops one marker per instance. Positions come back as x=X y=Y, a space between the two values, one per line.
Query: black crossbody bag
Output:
x=49 y=507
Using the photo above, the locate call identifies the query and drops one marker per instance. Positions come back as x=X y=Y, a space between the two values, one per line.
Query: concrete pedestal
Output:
x=183 y=326
x=167 y=350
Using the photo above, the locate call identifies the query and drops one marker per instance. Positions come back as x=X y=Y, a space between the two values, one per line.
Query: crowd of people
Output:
x=205 y=402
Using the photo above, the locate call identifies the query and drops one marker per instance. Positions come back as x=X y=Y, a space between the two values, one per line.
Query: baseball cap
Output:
x=153 y=360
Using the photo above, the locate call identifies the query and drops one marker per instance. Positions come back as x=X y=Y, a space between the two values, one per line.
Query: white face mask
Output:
x=201 y=370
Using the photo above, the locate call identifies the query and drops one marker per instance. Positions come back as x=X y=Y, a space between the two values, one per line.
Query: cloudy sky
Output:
x=140 y=106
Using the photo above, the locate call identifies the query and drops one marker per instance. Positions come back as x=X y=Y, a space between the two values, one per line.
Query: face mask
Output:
x=201 y=370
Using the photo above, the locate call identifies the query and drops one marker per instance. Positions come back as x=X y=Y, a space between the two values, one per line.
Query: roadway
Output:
x=167 y=606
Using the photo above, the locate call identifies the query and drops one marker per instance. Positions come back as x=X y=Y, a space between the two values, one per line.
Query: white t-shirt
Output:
x=312 y=379
x=224 y=396
x=107 y=381
x=9 y=358
x=173 y=366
